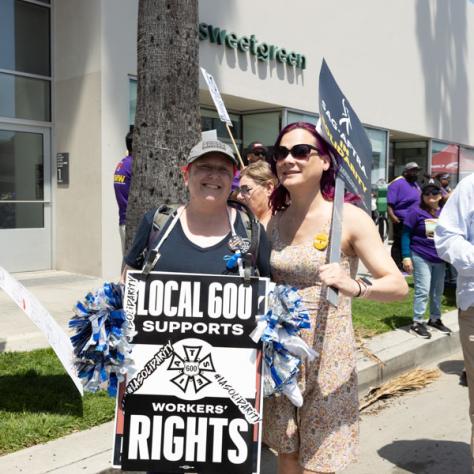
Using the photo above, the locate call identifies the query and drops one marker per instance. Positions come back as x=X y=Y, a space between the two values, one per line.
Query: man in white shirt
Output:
x=454 y=240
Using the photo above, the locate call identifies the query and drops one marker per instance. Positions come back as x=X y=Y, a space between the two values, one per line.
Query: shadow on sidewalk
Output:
x=454 y=367
x=31 y=392
x=428 y=456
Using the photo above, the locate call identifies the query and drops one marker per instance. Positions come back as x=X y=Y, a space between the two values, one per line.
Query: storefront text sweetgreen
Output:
x=263 y=51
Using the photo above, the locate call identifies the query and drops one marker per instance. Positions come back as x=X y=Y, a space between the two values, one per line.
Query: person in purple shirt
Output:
x=421 y=259
x=444 y=179
x=403 y=192
x=122 y=180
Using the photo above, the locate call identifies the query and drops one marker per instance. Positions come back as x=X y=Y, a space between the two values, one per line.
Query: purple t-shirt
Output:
x=236 y=181
x=422 y=225
x=401 y=195
x=122 y=179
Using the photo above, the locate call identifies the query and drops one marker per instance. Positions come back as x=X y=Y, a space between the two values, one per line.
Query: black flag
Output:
x=342 y=129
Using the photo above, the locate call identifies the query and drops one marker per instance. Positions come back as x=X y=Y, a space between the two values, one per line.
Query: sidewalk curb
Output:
x=401 y=350
x=90 y=451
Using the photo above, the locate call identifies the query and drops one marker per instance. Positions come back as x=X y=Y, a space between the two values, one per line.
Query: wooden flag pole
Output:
x=235 y=146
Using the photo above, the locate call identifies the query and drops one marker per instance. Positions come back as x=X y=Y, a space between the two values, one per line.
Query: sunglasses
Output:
x=435 y=192
x=244 y=190
x=300 y=152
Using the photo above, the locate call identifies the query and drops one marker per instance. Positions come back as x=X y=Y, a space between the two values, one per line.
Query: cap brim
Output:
x=215 y=152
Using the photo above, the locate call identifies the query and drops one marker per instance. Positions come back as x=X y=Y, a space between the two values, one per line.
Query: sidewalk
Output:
x=90 y=451
x=57 y=291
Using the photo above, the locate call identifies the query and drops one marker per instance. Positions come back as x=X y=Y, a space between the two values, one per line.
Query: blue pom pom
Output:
x=286 y=315
x=101 y=342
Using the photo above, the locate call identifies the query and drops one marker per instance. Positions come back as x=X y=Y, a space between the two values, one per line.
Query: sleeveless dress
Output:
x=325 y=429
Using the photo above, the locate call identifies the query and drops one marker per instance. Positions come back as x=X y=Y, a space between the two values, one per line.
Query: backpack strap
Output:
x=167 y=213
x=163 y=215
x=252 y=231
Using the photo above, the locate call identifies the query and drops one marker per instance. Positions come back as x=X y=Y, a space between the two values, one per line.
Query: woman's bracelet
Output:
x=360 y=289
x=365 y=287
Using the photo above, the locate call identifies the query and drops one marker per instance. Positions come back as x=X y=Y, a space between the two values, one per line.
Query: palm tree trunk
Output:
x=167 y=121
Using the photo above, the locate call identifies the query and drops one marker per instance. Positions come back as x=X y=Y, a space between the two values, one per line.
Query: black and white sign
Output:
x=62 y=168
x=216 y=97
x=194 y=402
x=341 y=127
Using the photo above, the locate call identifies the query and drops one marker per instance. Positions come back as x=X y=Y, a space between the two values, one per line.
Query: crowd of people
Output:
x=290 y=190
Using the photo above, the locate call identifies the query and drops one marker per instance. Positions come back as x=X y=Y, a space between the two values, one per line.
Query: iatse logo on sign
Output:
x=191 y=369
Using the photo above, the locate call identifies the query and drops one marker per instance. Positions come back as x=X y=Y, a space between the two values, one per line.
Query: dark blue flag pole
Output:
x=351 y=152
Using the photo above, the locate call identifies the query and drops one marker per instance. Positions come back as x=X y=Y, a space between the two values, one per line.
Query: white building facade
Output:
x=68 y=94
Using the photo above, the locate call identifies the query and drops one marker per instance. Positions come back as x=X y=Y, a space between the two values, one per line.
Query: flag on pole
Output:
x=342 y=129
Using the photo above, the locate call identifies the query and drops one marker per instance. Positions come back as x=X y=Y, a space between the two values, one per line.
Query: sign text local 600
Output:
x=194 y=402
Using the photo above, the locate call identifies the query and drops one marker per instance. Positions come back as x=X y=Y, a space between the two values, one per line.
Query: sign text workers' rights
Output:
x=195 y=398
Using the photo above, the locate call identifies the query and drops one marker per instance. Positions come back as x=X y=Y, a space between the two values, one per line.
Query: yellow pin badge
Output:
x=320 y=241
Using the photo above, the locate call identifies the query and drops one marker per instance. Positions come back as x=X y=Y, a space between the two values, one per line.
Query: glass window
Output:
x=210 y=121
x=132 y=87
x=25 y=37
x=24 y=97
x=21 y=215
x=262 y=127
x=445 y=159
x=301 y=117
x=378 y=140
x=466 y=162
x=402 y=152
x=21 y=179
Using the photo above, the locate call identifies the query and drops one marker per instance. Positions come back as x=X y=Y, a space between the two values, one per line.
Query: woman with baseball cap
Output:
x=200 y=236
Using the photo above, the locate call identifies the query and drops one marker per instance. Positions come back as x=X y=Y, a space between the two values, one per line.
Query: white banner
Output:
x=216 y=97
x=57 y=338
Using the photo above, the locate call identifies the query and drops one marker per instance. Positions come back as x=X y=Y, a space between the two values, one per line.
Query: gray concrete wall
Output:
x=77 y=117
x=119 y=51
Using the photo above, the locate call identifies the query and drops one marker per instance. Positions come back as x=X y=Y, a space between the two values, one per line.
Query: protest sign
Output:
x=341 y=128
x=194 y=400
x=39 y=315
x=216 y=97
x=221 y=110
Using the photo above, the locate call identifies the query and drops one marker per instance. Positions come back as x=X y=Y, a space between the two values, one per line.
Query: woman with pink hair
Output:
x=322 y=435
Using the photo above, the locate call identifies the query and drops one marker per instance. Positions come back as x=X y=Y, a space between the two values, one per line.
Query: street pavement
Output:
x=423 y=432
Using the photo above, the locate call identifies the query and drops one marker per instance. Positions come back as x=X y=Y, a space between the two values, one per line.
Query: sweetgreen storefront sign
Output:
x=263 y=51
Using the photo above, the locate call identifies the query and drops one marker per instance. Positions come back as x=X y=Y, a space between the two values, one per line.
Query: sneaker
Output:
x=438 y=324
x=421 y=330
x=463 y=379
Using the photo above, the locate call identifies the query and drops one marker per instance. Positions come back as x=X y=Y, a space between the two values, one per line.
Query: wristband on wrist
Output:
x=366 y=286
x=360 y=289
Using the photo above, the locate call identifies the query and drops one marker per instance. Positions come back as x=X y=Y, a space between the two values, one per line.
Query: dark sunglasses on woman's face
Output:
x=300 y=152
x=244 y=190
x=435 y=192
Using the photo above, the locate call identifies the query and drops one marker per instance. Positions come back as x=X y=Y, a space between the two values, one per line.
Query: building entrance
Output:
x=25 y=198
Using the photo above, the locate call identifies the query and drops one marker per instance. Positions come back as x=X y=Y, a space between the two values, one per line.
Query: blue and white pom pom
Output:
x=283 y=349
x=101 y=343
